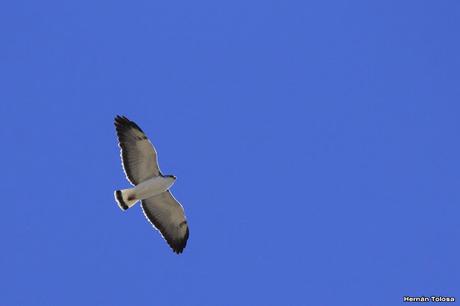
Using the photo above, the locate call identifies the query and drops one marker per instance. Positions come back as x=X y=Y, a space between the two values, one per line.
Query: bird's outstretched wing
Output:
x=138 y=156
x=167 y=216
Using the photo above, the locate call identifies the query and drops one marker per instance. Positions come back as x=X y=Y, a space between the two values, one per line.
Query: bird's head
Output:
x=171 y=176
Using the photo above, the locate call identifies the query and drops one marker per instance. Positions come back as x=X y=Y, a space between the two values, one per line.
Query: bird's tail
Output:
x=125 y=198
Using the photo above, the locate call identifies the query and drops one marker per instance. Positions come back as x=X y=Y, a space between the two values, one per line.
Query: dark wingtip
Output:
x=180 y=246
x=122 y=122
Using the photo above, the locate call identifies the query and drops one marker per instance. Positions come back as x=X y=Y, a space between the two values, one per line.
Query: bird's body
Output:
x=139 y=161
x=147 y=189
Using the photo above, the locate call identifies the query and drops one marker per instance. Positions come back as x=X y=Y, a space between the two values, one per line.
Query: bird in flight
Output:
x=151 y=187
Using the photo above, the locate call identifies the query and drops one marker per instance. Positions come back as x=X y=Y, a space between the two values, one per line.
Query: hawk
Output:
x=151 y=187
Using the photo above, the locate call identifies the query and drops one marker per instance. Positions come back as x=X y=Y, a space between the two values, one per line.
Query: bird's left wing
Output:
x=167 y=216
x=139 y=158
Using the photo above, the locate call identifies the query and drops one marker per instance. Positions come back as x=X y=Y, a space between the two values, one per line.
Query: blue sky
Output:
x=315 y=145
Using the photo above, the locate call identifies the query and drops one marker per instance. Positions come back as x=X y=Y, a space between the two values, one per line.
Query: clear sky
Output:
x=315 y=144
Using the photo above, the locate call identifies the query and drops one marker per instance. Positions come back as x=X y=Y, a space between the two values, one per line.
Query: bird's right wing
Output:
x=167 y=216
x=138 y=156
